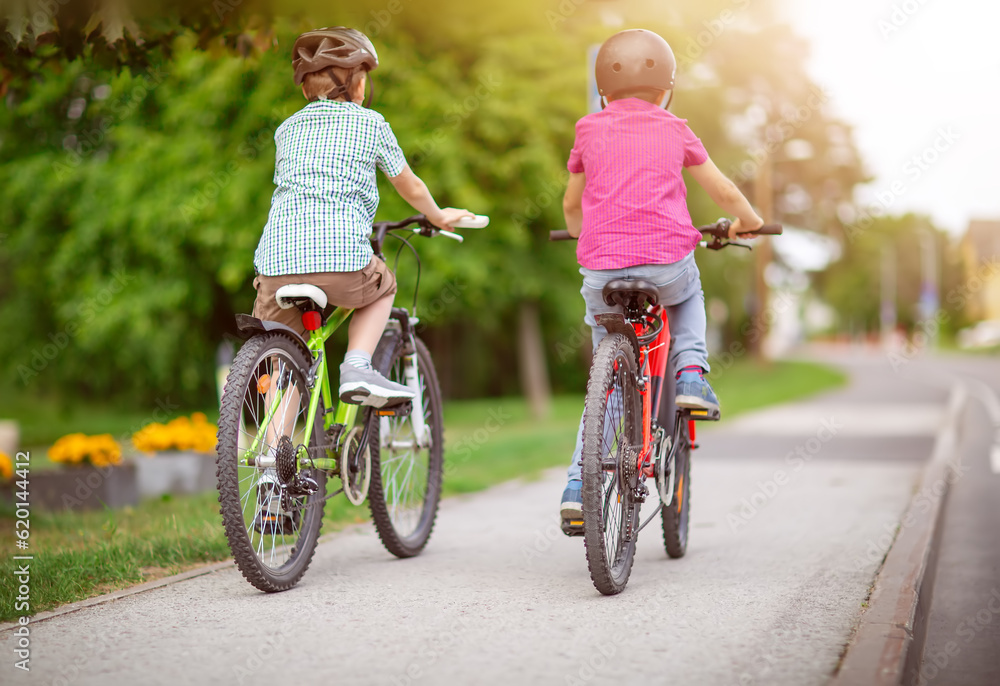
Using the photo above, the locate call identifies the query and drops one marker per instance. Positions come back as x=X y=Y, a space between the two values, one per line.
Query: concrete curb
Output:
x=887 y=647
x=124 y=593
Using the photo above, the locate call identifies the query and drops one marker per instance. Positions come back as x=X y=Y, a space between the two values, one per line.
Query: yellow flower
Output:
x=183 y=433
x=101 y=450
x=6 y=467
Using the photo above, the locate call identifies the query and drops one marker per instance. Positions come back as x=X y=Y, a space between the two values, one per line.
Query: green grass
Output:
x=488 y=441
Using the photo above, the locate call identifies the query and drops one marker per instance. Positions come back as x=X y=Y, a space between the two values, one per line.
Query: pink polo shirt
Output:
x=635 y=202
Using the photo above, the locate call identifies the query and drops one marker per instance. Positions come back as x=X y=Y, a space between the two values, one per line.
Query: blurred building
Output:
x=981 y=255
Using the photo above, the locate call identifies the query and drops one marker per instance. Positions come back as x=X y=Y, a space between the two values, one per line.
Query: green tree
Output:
x=135 y=177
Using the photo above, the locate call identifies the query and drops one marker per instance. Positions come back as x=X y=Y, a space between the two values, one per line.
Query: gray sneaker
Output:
x=368 y=387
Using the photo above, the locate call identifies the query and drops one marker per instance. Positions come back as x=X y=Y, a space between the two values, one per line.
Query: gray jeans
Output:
x=681 y=295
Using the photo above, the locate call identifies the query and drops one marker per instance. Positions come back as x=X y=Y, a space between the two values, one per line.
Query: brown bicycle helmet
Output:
x=335 y=46
x=634 y=60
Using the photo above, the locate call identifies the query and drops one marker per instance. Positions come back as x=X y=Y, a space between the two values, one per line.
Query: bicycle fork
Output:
x=411 y=379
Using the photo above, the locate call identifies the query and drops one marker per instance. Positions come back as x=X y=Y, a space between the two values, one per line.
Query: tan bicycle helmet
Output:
x=335 y=46
x=634 y=60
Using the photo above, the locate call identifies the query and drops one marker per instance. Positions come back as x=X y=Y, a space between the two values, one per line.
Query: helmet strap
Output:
x=341 y=87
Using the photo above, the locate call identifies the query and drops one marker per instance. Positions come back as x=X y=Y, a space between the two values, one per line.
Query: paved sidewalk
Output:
x=502 y=596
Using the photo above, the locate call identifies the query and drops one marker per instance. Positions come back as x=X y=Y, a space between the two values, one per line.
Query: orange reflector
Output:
x=263 y=383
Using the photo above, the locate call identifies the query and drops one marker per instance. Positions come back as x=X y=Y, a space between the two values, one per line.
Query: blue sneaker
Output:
x=571 y=509
x=694 y=393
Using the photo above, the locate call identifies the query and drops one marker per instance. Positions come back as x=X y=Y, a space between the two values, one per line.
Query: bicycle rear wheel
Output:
x=675 y=513
x=407 y=468
x=611 y=434
x=272 y=536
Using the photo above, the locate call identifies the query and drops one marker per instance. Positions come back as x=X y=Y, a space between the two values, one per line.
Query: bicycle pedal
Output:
x=704 y=415
x=401 y=410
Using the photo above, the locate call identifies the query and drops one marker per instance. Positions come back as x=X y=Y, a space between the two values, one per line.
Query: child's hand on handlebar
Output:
x=738 y=227
x=447 y=216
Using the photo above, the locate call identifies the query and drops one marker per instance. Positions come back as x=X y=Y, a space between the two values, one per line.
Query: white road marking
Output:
x=992 y=404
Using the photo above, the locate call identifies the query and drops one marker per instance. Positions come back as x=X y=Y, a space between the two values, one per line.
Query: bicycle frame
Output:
x=653 y=367
x=653 y=360
x=346 y=413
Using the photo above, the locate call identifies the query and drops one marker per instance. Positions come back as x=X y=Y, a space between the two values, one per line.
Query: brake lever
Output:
x=430 y=233
x=719 y=243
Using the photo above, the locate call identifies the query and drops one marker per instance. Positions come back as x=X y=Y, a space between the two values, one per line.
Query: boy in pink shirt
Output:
x=627 y=203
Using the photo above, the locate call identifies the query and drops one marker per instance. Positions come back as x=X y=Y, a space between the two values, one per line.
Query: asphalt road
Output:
x=792 y=508
x=963 y=628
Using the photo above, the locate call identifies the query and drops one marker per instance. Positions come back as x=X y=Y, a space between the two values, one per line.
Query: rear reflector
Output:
x=311 y=320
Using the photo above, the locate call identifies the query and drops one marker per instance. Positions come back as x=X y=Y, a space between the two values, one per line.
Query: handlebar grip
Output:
x=476 y=221
x=769 y=230
x=560 y=236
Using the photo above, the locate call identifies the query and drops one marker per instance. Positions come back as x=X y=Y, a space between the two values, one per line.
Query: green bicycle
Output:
x=282 y=436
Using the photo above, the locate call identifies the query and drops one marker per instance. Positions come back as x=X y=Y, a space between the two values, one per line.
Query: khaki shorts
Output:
x=343 y=289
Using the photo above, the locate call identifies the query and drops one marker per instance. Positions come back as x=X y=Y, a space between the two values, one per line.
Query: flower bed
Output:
x=93 y=475
x=179 y=456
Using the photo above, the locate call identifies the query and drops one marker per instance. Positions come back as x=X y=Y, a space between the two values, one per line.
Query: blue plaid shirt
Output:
x=326 y=196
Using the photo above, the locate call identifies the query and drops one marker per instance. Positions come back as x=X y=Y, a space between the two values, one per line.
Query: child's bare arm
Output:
x=414 y=191
x=726 y=195
x=573 y=204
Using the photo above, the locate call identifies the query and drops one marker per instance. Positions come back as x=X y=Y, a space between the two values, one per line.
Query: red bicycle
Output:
x=633 y=431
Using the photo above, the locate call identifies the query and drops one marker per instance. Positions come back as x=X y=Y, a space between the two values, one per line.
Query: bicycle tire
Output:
x=268 y=558
x=609 y=506
x=404 y=519
x=675 y=517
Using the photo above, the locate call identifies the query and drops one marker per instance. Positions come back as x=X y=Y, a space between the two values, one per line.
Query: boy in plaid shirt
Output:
x=322 y=210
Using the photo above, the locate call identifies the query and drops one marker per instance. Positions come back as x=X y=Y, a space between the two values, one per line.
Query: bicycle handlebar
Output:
x=719 y=231
x=424 y=227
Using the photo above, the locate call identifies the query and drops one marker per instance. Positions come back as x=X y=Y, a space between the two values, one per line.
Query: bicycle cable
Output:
x=416 y=256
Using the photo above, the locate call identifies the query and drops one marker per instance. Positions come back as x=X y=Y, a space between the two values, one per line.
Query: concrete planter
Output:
x=84 y=487
x=174 y=472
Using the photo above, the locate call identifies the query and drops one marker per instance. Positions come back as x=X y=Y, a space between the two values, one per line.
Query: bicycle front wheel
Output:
x=272 y=534
x=676 y=511
x=407 y=454
x=611 y=435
